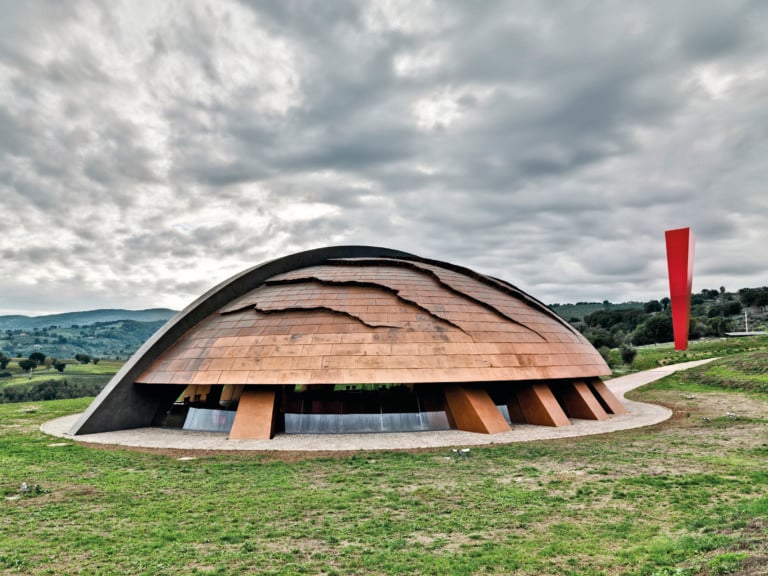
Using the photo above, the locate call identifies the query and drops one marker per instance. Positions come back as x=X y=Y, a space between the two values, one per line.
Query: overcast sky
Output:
x=150 y=150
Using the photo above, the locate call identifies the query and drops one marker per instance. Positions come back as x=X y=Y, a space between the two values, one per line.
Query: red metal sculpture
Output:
x=680 y=265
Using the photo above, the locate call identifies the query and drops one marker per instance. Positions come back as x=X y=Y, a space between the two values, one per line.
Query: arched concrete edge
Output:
x=639 y=415
x=121 y=405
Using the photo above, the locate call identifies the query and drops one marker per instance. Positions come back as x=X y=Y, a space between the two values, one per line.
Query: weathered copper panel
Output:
x=579 y=401
x=231 y=394
x=539 y=406
x=610 y=403
x=369 y=321
x=473 y=410
x=233 y=377
x=195 y=393
x=255 y=417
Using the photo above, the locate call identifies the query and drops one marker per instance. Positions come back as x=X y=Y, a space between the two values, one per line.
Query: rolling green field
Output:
x=76 y=380
x=103 y=368
x=687 y=497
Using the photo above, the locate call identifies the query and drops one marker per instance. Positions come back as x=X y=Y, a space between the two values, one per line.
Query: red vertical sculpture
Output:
x=680 y=266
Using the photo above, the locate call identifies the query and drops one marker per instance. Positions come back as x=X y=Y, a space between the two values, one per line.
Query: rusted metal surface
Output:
x=538 y=405
x=357 y=315
x=607 y=400
x=579 y=402
x=374 y=321
x=472 y=410
x=255 y=418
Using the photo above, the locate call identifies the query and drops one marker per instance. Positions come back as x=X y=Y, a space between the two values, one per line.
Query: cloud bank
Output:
x=151 y=150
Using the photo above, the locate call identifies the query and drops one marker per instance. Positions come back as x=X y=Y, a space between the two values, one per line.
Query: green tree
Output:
x=83 y=358
x=658 y=328
x=38 y=358
x=718 y=326
x=599 y=337
x=726 y=309
x=628 y=354
x=697 y=299
x=652 y=306
x=709 y=294
x=754 y=296
x=697 y=330
x=59 y=365
x=4 y=362
x=27 y=365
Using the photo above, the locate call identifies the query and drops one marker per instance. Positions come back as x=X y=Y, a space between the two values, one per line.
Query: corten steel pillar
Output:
x=680 y=266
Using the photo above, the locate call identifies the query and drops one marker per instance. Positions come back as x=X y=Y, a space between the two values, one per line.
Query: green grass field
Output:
x=687 y=497
x=103 y=368
x=47 y=383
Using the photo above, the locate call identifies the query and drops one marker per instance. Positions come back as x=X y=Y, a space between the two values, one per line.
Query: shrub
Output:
x=628 y=354
x=27 y=365
x=599 y=337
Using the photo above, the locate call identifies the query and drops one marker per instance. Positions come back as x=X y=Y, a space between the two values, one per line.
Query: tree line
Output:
x=37 y=359
x=713 y=314
x=48 y=390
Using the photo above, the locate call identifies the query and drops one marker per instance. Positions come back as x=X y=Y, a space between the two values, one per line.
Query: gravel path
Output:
x=640 y=414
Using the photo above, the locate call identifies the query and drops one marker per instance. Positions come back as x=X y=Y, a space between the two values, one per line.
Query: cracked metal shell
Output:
x=375 y=321
x=346 y=315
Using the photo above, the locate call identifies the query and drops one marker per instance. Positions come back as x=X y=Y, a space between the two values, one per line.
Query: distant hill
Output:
x=84 y=318
x=581 y=309
x=98 y=333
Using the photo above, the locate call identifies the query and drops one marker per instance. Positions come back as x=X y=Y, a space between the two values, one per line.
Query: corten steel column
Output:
x=680 y=265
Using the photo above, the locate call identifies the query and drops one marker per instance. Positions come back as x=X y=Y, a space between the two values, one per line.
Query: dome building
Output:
x=357 y=339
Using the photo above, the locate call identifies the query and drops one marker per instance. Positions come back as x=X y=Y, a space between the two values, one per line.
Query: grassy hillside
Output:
x=112 y=333
x=656 y=355
x=76 y=381
x=746 y=372
x=688 y=497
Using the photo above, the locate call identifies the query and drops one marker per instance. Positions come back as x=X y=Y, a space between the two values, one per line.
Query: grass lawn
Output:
x=687 y=497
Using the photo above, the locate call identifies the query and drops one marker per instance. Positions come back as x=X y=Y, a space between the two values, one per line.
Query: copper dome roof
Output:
x=351 y=315
x=377 y=320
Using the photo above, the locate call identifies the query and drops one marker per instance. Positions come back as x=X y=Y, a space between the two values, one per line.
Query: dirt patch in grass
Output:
x=250 y=455
x=715 y=404
x=742 y=414
x=450 y=543
x=53 y=494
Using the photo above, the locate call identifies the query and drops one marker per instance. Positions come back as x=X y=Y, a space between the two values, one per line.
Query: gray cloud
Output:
x=149 y=151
